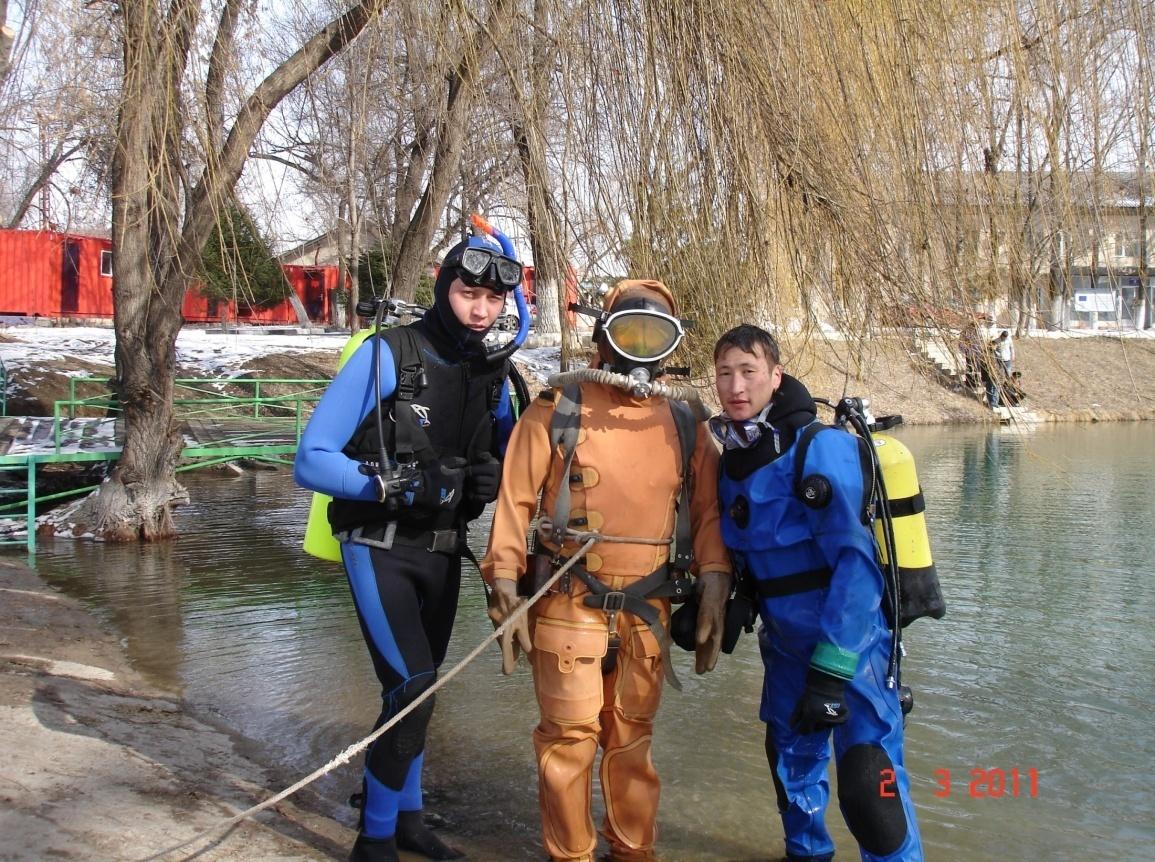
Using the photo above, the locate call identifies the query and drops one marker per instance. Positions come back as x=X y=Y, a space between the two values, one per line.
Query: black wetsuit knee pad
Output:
x=868 y=794
x=391 y=755
x=772 y=759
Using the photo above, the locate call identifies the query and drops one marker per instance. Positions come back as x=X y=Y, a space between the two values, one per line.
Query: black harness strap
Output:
x=800 y=582
x=905 y=506
x=682 y=554
x=632 y=600
x=410 y=441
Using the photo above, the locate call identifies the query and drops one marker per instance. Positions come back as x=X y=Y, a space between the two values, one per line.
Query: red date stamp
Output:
x=984 y=783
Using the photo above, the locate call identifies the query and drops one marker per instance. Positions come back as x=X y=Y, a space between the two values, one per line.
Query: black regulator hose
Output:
x=520 y=390
x=382 y=454
x=846 y=410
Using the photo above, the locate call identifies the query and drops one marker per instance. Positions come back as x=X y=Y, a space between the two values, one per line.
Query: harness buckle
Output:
x=444 y=541
x=613 y=602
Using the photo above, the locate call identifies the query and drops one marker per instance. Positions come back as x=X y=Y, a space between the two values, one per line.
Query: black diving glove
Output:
x=437 y=487
x=822 y=705
x=482 y=479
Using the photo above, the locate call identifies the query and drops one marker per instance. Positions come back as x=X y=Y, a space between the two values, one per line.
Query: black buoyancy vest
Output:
x=448 y=406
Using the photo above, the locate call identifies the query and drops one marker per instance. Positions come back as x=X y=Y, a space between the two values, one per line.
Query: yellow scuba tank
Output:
x=319 y=539
x=919 y=591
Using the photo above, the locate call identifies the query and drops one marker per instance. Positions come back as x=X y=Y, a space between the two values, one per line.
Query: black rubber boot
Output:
x=414 y=835
x=374 y=850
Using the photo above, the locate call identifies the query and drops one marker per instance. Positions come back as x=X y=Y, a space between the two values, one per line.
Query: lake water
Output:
x=1043 y=665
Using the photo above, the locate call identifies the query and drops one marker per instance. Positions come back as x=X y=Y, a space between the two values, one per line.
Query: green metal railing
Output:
x=242 y=421
x=198 y=399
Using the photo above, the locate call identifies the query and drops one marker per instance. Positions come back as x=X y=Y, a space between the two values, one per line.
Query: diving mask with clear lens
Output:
x=643 y=335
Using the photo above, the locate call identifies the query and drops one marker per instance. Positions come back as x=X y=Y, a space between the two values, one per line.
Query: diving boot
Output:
x=413 y=834
x=374 y=850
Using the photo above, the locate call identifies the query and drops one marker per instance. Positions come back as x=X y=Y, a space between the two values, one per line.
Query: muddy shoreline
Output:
x=103 y=765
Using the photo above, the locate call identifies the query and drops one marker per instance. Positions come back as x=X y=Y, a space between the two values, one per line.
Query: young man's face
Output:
x=475 y=307
x=745 y=381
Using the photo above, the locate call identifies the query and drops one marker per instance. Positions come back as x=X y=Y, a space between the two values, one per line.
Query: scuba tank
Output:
x=897 y=512
x=919 y=593
x=319 y=539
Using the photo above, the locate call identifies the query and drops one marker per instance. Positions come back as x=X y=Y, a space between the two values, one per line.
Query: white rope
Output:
x=348 y=753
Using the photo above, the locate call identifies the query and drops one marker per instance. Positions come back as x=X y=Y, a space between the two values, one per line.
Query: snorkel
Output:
x=498 y=354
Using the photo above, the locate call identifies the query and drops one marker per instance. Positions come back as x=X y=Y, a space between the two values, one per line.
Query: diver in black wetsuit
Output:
x=405 y=485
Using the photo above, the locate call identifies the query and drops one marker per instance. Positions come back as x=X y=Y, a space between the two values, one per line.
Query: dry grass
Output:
x=1066 y=379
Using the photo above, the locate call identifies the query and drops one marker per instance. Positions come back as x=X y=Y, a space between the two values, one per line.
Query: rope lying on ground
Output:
x=347 y=754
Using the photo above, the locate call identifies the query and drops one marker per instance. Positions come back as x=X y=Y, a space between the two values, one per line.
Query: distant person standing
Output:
x=970 y=347
x=1005 y=351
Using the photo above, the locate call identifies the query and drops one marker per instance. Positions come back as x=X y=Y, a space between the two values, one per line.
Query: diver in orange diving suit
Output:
x=599 y=639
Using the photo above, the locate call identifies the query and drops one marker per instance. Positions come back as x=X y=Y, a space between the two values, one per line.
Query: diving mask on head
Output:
x=637 y=330
x=642 y=335
x=486 y=259
x=483 y=267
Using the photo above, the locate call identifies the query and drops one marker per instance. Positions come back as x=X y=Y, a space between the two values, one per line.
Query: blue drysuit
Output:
x=406 y=595
x=824 y=613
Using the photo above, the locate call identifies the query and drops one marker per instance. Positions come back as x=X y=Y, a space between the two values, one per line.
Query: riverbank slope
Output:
x=1067 y=376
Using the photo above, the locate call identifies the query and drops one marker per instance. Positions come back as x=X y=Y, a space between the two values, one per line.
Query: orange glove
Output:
x=503 y=601
x=713 y=591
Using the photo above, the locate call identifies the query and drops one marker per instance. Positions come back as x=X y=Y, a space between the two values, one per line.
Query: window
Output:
x=106 y=264
x=1126 y=245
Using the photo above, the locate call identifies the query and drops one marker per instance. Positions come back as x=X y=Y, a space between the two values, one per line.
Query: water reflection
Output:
x=1043 y=662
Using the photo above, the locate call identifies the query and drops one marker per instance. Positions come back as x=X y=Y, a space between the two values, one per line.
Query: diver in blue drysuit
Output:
x=447 y=415
x=824 y=639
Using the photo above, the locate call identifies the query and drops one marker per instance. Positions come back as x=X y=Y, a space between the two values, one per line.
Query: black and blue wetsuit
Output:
x=820 y=589
x=406 y=595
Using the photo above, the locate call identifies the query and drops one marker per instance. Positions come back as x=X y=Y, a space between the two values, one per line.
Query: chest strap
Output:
x=800 y=582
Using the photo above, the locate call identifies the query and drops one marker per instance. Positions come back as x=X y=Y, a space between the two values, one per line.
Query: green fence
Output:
x=257 y=419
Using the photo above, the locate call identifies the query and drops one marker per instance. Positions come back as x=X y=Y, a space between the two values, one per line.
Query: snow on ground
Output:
x=212 y=352
x=219 y=353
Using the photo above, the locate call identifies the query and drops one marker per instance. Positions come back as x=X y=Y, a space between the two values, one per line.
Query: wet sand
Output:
x=101 y=765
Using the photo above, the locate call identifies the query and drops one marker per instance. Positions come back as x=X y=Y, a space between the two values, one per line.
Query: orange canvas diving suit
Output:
x=624 y=481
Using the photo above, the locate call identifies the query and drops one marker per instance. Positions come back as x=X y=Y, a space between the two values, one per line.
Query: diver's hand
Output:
x=503 y=601
x=713 y=591
x=822 y=705
x=483 y=478
x=436 y=486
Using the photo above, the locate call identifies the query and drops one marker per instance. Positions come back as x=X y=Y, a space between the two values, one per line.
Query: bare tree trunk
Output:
x=7 y=37
x=156 y=250
x=529 y=136
x=413 y=250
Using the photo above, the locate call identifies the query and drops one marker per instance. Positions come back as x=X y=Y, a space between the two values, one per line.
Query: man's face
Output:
x=745 y=381
x=475 y=307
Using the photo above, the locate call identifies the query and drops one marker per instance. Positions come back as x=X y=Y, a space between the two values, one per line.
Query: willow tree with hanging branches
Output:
x=175 y=162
